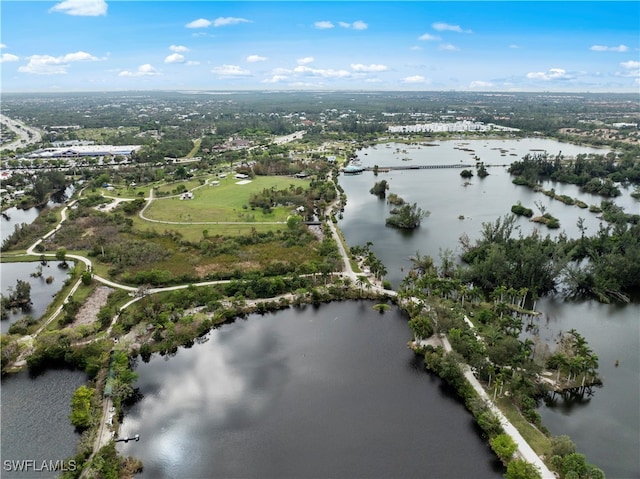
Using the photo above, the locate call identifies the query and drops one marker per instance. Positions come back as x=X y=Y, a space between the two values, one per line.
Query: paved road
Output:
x=524 y=449
x=22 y=131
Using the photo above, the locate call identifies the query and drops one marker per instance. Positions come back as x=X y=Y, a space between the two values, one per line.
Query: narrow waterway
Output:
x=305 y=392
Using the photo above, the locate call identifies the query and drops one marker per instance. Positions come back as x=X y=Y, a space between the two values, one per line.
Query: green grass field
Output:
x=228 y=201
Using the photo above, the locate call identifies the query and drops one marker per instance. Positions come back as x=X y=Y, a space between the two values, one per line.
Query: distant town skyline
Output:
x=98 y=45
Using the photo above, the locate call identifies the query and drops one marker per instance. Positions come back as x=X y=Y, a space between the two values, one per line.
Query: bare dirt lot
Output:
x=89 y=310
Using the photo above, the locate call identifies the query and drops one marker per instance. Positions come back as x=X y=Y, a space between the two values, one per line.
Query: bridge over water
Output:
x=424 y=167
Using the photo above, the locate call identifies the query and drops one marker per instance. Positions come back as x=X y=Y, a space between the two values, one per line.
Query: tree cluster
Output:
x=406 y=216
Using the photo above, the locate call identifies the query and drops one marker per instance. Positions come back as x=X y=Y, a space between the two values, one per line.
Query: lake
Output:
x=35 y=419
x=306 y=392
x=42 y=293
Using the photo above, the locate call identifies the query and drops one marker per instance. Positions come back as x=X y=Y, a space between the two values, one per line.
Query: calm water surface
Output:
x=605 y=426
x=15 y=217
x=35 y=418
x=331 y=392
x=42 y=294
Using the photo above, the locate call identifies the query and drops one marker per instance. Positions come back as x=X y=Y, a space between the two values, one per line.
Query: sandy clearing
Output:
x=88 y=313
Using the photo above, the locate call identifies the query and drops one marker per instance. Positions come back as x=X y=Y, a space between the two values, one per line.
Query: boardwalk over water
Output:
x=424 y=167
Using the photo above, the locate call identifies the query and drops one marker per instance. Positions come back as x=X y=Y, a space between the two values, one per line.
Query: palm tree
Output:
x=498 y=293
x=491 y=370
x=493 y=337
x=561 y=361
x=368 y=285
x=422 y=265
x=527 y=349
x=522 y=292
x=501 y=308
x=474 y=294
x=591 y=363
x=575 y=365
x=446 y=287
x=511 y=293
x=361 y=281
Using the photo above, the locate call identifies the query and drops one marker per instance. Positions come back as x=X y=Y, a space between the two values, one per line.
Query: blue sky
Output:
x=99 y=45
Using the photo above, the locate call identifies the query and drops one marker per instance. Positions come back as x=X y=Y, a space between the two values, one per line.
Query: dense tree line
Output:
x=540 y=264
x=597 y=174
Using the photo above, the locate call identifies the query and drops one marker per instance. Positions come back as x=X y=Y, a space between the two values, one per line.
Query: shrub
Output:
x=504 y=447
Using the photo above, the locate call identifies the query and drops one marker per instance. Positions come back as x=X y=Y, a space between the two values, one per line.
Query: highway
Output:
x=22 y=130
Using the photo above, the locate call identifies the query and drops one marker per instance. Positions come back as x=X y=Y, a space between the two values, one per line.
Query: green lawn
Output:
x=536 y=439
x=196 y=147
x=228 y=201
x=167 y=188
x=124 y=192
x=195 y=232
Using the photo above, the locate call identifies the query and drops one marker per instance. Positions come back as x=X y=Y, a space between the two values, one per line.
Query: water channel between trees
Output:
x=605 y=426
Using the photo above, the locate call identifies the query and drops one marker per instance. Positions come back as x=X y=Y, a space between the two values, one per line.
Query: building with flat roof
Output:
x=85 y=150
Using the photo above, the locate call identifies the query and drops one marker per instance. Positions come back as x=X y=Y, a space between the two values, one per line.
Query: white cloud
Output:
x=8 y=57
x=414 y=79
x=275 y=79
x=255 y=58
x=230 y=71
x=603 y=48
x=552 y=74
x=305 y=60
x=323 y=25
x=630 y=64
x=174 y=58
x=50 y=65
x=199 y=23
x=514 y=46
x=218 y=22
x=428 y=37
x=78 y=57
x=448 y=47
x=416 y=48
x=82 y=8
x=357 y=25
x=359 y=67
x=321 y=72
x=224 y=21
x=281 y=71
x=143 y=70
x=178 y=48
x=632 y=69
x=480 y=84
x=445 y=27
x=2 y=45
x=192 y=63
